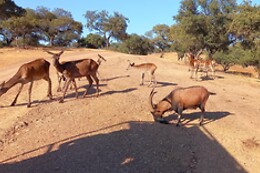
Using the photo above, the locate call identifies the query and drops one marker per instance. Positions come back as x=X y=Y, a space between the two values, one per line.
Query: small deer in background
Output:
x=28 y=73
x=198 y=64
x=150 y=68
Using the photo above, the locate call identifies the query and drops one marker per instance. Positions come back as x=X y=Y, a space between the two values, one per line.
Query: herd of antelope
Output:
x=178 y=99
x=198 y=64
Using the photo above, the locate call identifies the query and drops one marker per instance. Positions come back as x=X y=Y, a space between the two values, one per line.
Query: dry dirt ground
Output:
x=115 y=132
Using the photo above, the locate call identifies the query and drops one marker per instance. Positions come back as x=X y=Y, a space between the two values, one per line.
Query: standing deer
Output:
x=29 y=72
x=145 y=67
x=198 y=64
x=61 y=77
x=76 y=69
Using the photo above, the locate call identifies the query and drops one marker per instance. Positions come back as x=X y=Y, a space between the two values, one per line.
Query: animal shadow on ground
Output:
x=92 y=91
x=188 y=118
x=247 y=74
x=164 y=84
x=141 y=147
x=119 y=91
x=34 y=103
x=115 y=77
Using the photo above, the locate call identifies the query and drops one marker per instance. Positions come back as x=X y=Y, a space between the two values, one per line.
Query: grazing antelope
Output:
x=29 y=72
x=179 y=100
x=76 y=69
x=145 y=67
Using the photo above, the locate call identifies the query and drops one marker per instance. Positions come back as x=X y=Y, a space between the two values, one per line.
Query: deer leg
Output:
x=196 y=72
x=142 y=79
x=75 y=86
x=30 y=92
x=202 y=108
x=213 y=72
x=68 y=81
x=179 y=116
x=19 y=91
x=154 y=80
x=49 y=93
x=59 y=81
x=90 y=83
x=94 y=75
x=151 y=79
x=192 y=71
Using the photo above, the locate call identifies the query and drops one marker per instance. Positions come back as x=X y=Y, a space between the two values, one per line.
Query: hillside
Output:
x=115 y=132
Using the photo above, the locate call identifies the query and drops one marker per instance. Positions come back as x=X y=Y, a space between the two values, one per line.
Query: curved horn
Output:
x=152 y=106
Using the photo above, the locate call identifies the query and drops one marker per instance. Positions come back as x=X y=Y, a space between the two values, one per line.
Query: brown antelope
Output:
x=29 y=72
x=179 y=100
x=61 y=77
x=145 y=67
x=76 y=69
x=198 y=64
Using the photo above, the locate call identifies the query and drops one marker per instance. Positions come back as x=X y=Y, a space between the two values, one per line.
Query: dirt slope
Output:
x=115 y=131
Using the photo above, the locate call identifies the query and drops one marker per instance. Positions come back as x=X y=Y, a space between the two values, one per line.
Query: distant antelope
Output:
x=198 y=64
x=29 y=72
x=145 y=67
x=76 y=69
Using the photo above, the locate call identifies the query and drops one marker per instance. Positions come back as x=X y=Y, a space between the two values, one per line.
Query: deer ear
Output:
x=61 y=52
x=49 y=52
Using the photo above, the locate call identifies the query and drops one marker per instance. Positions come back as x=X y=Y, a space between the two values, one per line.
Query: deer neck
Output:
x=12 y=82
x=58 y=66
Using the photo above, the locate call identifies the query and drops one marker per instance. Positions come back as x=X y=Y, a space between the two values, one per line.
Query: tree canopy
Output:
x=109 y=26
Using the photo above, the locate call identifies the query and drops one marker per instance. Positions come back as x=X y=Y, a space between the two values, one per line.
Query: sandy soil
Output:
x=115 y=132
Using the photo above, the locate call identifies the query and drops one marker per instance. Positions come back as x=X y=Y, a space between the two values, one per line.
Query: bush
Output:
x=229 y=58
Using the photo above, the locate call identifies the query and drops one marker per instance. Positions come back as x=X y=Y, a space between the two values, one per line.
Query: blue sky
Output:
x=143 y=14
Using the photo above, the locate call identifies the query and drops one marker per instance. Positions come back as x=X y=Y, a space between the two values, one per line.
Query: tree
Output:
x=160 y=37
x=246 y=27
x=58 y=26
x=22 y=26
x=8 y=9
x=136 y=44
x=207 y=23
x=108 y=26
x=95 y=41
x=229 y=58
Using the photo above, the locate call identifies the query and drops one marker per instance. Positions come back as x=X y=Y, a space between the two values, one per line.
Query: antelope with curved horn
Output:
x=179 y=100
x=28 y=73
x=76 y=69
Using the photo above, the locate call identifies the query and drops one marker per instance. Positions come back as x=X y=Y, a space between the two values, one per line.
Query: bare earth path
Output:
x=115 y=131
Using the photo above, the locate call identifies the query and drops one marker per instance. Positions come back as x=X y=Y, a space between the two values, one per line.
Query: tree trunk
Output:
x=51 y=41
x=162 y=53
x=16 y=42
